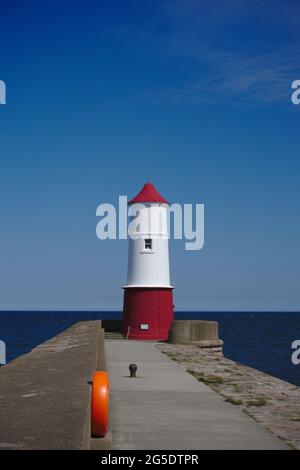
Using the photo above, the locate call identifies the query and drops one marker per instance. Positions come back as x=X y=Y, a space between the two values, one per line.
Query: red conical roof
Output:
x=148 y=194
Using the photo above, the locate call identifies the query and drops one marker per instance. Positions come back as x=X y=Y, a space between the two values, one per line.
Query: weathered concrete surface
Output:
x=46 y=394
x=272 y=402
x=167 y=408
x=190 y=331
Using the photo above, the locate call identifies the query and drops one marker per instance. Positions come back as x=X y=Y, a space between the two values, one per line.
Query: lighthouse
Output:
x=148 y=294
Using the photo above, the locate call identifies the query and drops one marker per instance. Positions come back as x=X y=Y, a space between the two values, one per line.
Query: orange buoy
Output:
x=100 y=393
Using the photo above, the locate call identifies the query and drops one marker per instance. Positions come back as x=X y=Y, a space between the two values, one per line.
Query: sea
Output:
x=262 y=340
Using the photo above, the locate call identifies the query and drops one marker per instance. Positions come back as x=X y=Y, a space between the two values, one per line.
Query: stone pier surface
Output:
x=46 y=394
x=165 y=407
x=274 y=403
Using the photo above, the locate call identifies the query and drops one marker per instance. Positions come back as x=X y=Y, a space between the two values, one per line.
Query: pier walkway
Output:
x=166 y=408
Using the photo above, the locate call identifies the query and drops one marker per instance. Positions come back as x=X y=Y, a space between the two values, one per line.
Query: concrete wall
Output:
x=192 y=331
x=46 y=394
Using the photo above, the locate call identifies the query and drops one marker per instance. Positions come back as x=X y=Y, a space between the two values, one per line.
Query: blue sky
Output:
x=195 y=95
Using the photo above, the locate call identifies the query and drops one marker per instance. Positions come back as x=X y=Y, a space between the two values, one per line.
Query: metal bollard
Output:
x=133 y=369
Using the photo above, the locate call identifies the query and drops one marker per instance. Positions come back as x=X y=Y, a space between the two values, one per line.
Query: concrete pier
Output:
x=46 y=399
x=166 y=408
x=46 y=394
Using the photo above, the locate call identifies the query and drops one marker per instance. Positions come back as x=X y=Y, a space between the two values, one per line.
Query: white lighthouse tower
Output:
x=148 y=294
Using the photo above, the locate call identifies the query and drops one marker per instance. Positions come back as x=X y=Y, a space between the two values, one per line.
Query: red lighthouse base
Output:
x=147 y=313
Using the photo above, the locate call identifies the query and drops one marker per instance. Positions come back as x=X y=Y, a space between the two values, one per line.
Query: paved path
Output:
x=167 y=408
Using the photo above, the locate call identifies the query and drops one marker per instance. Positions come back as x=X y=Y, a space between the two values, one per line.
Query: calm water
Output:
x=260 y=340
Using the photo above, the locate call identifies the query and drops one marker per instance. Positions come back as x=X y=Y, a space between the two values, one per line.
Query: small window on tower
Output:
x=148 y=244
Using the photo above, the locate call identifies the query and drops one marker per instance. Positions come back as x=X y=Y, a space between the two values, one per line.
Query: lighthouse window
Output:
x=148 y=244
